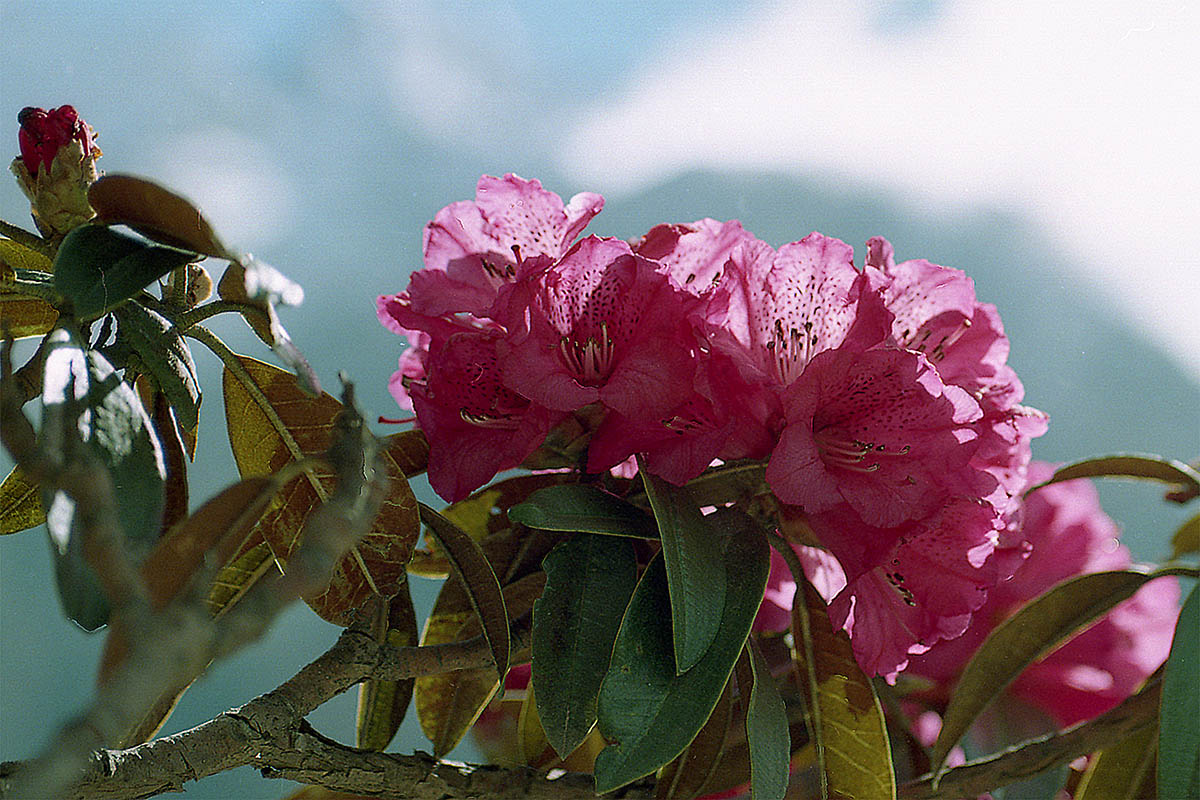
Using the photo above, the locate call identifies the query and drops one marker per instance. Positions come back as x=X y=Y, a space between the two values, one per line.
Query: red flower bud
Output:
x=43 y=133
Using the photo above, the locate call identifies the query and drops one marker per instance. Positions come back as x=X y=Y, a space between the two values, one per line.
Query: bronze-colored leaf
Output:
x=240 y=572
x=20 y=503
x=410 y=451
x=291 y=427
x=26 y=316
x=533 y=748
x=155 y=212
x=1187 y=539
x=471 y=567
x=449 y=703
x=175 y=505
x=382 y=705
x=17 y=256
x=482 y=513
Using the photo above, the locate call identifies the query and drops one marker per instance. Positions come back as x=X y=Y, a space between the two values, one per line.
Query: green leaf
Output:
x=1121 y=771
x=471 y=567
x=1131 y=465
x=98 y=268
x=20 y=503
x=691 y=550
x=578 y=507
x=1179 y=735
x=589 y=580
x=1038 y=628
x=161 y=348
x=847 y=722
x=118 y=432
x=649 y=712
x=729 y=483
x=382 y=705
x=766 y=732
x=1186 y=539
x=689 y=774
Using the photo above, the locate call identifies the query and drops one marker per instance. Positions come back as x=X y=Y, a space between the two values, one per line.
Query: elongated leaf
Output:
x=848 y=727
x=471 y=567
x=589 y=582
x=1026 y=636
x=254 y=560
x=532 y=745
x=1120 y=771
x=686 y=776
x=728 y=483
x=410 y=451
x=175 y=490
x=26 y=316
x=382 y=705
x=98 y=268
x=302 y=426
x=766 y=732
x=1131 y=465
x=1186 y=539
x=578 y=507
x=119 y=433
x=1179 y=735
x=163 y=351
x=448 y=704
x=155 y=212
x=20 y=503
x=647 y=710
x=695 y=569
x=18 y=256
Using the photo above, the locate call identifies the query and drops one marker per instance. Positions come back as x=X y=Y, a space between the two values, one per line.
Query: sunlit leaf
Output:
x=1187 y=539
x=233 y=580
x=472 y=569
x=297 y=426
x=119 y=434
x=482 y=513
x=1121 y=771
x=20 y=503
x=589 y=582
x=155 y=212
x=1035 y=630
x=647 y=710
x=532 y=745
x=98 y=268
x=695 y=568
x=26 y=316
x=1179 y=735
x=579 y=507
x=848 y=727
x=18 y=256
x=382 y=705
x=1131 y=465
x=163 y=352
x=766 y=732
x=449 y=703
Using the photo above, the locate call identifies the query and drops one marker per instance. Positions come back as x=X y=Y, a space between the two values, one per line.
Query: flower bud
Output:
x=56 y=166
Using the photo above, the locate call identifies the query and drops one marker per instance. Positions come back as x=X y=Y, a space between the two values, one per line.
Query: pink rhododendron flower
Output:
x=601 y=325
x=472 y=248
x=43 y=133
x=775 y=612
x=693 y=254
x=476 y=427
x=936 y=313
x=1100 y=667
x=877 y=430
x=897 y=591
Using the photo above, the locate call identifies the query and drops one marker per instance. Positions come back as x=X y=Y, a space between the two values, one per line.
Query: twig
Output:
x=1037 y=755
x=26 y=238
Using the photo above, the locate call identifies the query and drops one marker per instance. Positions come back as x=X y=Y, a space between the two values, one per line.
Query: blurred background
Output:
x=1046 y=149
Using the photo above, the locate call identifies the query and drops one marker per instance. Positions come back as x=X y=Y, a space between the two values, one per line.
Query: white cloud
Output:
x=1082 y=115
x=234 y=179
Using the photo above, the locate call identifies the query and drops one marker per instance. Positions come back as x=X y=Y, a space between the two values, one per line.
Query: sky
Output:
x=1046 y=148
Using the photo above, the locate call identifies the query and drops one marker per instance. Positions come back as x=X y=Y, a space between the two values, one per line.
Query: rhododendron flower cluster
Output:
x=877 y=394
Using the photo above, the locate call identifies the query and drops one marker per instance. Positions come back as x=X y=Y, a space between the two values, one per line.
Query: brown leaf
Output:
x=302 y=427
x=20 y=503
x=410 y=451
x=155 y=212
x=240 y=572
x=382 y=705
x=26 y=316
x=175 y=505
